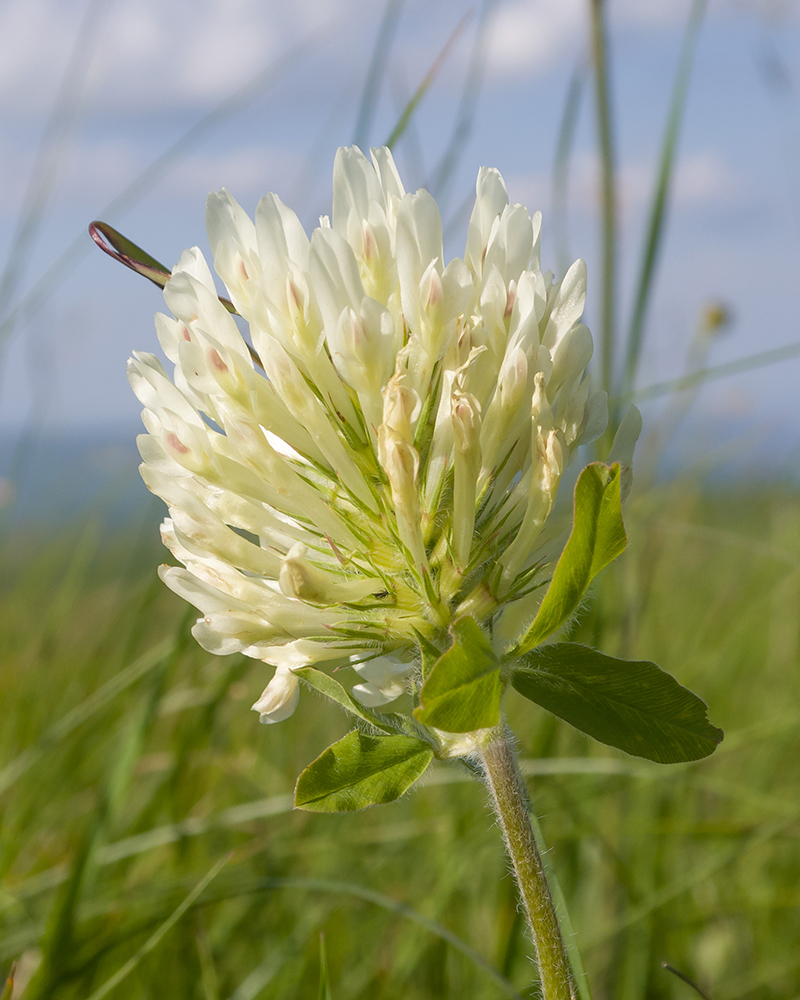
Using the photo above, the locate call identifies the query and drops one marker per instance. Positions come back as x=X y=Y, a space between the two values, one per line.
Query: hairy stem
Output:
x=511 y=806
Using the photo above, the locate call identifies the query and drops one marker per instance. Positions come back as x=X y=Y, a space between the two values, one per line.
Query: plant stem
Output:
x=608 y=198
x=511 y=806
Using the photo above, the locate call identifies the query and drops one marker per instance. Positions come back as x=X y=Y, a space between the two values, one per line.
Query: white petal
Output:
x=355 y=188
x=419 y=243
x=372 y=696
x=387 y=171
x=300 y=653
x=568 y=306
x=384 y=678
x=512 y=242
x=215 y=642
x=334 y=275
x=383 y=670
x=491 y=197
x=193 y=263
x=280 y=234
x=227 y=220
x=279 y=698
x=571 y=355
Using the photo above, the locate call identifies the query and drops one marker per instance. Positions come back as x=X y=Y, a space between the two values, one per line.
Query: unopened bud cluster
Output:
x=383 y=453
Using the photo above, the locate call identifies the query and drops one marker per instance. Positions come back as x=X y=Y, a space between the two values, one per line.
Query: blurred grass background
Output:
x=133 y=765
x=147 y=842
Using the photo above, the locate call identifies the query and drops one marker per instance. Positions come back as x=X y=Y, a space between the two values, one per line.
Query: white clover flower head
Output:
x=381 y=456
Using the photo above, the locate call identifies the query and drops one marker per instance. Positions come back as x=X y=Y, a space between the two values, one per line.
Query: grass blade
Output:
x=682 y=976
x=195 y=826
x=87 y=708
x=8 y=989
x=430 y=76
x=60 y=125
x=30 y=304
x=163 y=930
x=274 y=962
x=568 y=934
x=658 y=208
x=566 y=138
x=376 y=71
x=465 y=115
x=393 y=906
x=702 y=874
x=608 y=194
x=60 y=940
x=324 y=973
x=786 y=353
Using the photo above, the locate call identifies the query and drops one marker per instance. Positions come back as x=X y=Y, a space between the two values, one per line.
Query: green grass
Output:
x=147 y=842
x=114 y=809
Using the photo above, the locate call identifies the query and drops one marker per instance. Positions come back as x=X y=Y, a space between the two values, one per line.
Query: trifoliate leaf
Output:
x=360 y=771
x=598 y=537
x=462 y=692
x=629 y=704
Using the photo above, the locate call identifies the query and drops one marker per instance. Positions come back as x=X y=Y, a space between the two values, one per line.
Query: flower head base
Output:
x=383 y=455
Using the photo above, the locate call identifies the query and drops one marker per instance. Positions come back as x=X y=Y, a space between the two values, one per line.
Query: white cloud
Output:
x=247 y=172
x=154 y=54
x=650 y=13
x=529 y=36
x=532 y=190
x=97 y=170
x=702 y=179
x=35 y=41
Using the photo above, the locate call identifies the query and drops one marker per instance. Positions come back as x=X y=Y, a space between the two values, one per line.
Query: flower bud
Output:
x=279 y=698
x=401 y=407
x=300 y=579
x=400 y=461
x=547 y=466
x=499 y=429
x=466 y=415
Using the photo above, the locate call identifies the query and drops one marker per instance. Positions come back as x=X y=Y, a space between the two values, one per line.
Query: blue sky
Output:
x=149 y=71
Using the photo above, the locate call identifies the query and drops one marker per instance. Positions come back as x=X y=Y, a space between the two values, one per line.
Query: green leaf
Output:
x=333 y=690
x=360 y=771
x=429 y=653
x=387 y=722
x=8 y=989
x=598 y=537
x=462 y=692
x=629 y=704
